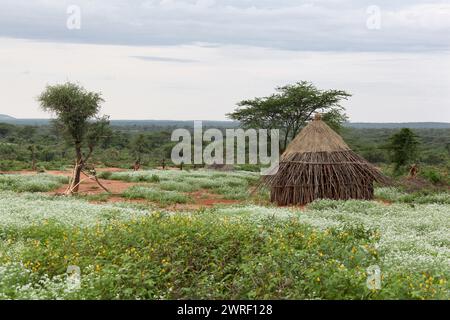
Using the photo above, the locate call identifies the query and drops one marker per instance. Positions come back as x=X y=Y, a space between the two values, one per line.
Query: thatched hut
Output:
x=318 y=164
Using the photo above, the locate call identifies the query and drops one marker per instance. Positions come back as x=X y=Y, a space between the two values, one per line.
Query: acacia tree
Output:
x=77 y=116
x=290 y=108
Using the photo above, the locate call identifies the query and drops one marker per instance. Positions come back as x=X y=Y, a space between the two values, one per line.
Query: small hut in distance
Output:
x=318 y=164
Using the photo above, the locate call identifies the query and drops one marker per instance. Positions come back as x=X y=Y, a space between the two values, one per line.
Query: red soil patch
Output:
x=385 y=202
x=200 y=199
x=90 y=187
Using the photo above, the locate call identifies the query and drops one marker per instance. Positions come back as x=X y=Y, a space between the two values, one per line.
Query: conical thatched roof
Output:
x=319 y=164
x=317 y=136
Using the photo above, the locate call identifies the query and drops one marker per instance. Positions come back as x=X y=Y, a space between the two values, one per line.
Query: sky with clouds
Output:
x=194 y=59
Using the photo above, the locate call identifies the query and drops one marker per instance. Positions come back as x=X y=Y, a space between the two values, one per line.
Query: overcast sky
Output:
x=181 y=59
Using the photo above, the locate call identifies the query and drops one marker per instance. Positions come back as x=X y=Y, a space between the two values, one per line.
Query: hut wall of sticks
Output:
x=318 y=164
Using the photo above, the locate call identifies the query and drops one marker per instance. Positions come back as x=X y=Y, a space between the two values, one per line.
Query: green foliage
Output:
x=178 y=186
x=403 y=147
x=335 y=118
x=139 y=146
x=185 y=257
x=232 y=185
x=77 y=117
x=290 y=108
x=156 y=195
x=205 y=257
x=139 y=176
x=154 y=178
x=104 y=175
x=230 y=252
x=115 y=149
x=73 y=107
x=432 y=175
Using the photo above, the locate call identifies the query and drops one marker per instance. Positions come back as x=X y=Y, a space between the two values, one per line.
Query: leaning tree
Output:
x=77 y=116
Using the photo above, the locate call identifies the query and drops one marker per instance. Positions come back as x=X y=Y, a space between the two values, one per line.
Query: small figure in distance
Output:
x=137 y=165
x=413 y=171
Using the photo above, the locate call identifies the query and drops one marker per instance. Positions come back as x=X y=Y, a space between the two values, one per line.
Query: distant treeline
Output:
x=20 y=143
x=149 y=125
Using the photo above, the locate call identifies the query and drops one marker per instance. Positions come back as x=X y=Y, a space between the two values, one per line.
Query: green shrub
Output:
x=154 y=178
x=206 y=257
x=152 y=194
x=184 y=257
x=178 y=186
x=432 y=175
x=238 y=252
x=104 y=175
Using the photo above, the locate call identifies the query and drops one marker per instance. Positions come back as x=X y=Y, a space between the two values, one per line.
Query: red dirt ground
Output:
x=88 y=186
x=201 y=199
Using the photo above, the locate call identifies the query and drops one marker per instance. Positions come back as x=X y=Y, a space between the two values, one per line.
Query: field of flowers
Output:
x=129 y=251
x=31 y=183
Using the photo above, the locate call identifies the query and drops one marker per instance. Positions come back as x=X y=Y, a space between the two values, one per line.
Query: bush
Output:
x=152 y=194
x=432 y=175
x=178 y=186
x=104 y=175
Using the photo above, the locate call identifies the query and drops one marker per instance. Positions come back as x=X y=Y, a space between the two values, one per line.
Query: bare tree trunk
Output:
x=285 y=140
x=77 y=170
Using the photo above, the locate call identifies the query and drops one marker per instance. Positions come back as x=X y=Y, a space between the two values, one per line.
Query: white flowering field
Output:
x=245 y=251
x=31 y=183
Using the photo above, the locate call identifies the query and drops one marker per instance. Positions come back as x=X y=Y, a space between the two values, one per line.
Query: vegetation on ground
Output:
x=31 y=183
x=241 y=252
x=165 y=184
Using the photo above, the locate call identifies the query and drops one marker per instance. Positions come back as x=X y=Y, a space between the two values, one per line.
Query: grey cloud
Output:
x=164 y=59
x=314 y=25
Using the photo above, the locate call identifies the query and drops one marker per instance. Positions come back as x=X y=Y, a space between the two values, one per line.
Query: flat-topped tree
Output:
x=290 y=108
x=77 y=115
